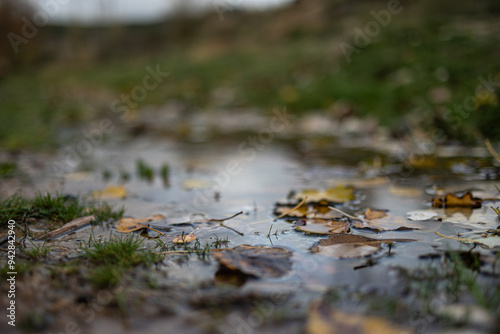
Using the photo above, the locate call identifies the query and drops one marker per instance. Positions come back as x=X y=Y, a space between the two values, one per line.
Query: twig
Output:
x=291 y=210
x=345 y=214
x=155 y=230
x=457 y=239
x=224 y=219
x=492 y=150
x=232 y=229
x=67 y=228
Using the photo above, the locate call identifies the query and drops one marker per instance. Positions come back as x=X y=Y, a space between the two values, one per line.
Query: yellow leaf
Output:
x=451 y=200
x=184 y=239
x=110 y=192
x=374 y=214
x=338 y=194
x=127 y=225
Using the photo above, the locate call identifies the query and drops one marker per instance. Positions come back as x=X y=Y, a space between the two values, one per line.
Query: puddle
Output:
x=217 y=179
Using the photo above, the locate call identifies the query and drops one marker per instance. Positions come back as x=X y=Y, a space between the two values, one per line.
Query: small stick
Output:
x=224 y=219
x=345 y=214
x=453 y=238
x=67 y=228
x=155 y=230
x=232 y=229
x=291 y=210
x=492 y=150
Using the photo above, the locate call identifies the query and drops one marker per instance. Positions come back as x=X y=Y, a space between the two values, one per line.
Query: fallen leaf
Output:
x=257 y=261
x=322 y=226
x=195 y=184
x=350 y=250
x=386 y=223
x=110 y=192
x=373 y=214
x=185 y=238
x=451 y=200
x=323 y=319
x=421 y=215
x=350 y=245
x=127 y=224
x=306 y=211
x=338 y=194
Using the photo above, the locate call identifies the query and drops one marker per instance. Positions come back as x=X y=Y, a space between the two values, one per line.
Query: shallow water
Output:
x=252 y=181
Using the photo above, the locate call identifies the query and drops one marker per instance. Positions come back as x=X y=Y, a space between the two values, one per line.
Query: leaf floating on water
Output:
x=338 y=194
x=322 y=226
x=421 y=215
x=127 y=224
x=323 y=319
x=110 y=192
x=185 y=238
x=374 y=214
x=257 y=261
x=451 y=200
x=386 y=223
x=350 y=245
x=347 y=246
x=306 y=211
x=192 y=184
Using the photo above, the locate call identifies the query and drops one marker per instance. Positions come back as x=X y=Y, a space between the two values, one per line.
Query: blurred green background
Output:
x=416 y=74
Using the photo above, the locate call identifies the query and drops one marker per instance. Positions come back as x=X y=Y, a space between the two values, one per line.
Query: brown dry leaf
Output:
x=185 y=238
x=386 y=223
x=373 y=214
x=338 y=194
x=110 y=192
x=258 y=261
x=323 y=319
x=451 y=200
x=350 y=245
x=127 y=224
x=306 y=211
x=322 y=226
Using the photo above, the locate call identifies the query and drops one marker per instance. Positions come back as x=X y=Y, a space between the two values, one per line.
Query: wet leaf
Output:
x=185 y=238
x=350 y=245
x=110 y=192
x=195 y=184
x=421 y=215
x=374 y=214
x=338 y=194
x=127 y=224
x=257 y=261
x=322 y=226
x=451 y=200
x=306 y=211
x=387 y=223
x=323 y=319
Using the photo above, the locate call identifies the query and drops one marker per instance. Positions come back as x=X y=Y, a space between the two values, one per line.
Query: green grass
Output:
x=391 y=77
x=37 y=252
x=53 y=208
x=111 y=259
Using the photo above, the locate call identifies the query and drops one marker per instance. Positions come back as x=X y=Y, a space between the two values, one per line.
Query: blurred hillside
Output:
x=414 y=72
